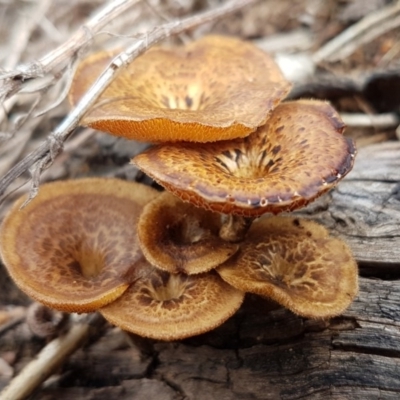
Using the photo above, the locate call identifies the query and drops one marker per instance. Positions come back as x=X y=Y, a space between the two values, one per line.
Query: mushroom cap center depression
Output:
x=249 y=163
x=90 y=262
x=166 y=287
x=190 y=97
x=86 y=240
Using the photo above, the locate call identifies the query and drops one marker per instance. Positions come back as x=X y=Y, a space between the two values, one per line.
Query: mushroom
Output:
x=296 y=156
x=167 y=306
x=179 y=237
x=213 y=89
x=296 y=263
x=73 y=247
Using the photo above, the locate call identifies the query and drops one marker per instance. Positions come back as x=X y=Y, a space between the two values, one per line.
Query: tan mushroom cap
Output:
x=167 y=306
x=73 y=247
x=179 y=237
x=212 y=89
x=297 y=264
x=296 y=156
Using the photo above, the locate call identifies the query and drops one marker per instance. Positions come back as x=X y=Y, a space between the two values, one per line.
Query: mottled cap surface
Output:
x=296 y=156
x=74 y=246
x=212 y=89
x=167 y=306
x=296 y=263
x=179 y=237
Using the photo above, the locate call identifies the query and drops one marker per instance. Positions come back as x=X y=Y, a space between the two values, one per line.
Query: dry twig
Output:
x=62 y=54
x=377 y=121
x=44 y=155
x=18 y=44
x=50 y=358
x=367 y=29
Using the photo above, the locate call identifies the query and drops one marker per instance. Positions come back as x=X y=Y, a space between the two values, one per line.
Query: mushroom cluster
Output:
x=227 y=150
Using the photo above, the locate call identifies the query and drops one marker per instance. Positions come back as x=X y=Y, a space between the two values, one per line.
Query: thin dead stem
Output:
x=376 y=121
x=364 y=31
x=50 y=358
x=59 y=58
x=18 y=43
x=26 y=25
x=63 y=53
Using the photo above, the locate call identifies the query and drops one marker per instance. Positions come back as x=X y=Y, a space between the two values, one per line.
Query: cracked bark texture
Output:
x=264 y=351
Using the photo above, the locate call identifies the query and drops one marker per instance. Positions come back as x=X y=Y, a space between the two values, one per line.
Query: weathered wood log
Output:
x=257 y=355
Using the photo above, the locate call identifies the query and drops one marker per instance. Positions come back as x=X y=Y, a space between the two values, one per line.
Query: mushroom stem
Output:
x=235 y=227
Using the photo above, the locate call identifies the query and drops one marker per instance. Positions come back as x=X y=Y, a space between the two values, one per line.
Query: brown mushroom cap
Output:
x=73 y=247
x=179 y=237
x=167 y=306
x=297 y=264
x=213 y=89
x=296 y=156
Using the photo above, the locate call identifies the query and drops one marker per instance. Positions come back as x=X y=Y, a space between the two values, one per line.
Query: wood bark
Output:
x=365 y=208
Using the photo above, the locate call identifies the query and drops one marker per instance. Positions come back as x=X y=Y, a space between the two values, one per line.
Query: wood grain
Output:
x=364 y=209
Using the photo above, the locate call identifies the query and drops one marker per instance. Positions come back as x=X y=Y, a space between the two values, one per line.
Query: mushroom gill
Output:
x=296 y=263
x=213 y=89
x=73 y=247
x=296 y=156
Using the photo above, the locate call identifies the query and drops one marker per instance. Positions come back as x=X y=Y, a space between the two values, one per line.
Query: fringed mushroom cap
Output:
x=296 y=156
x=73 y=247
x=213 y=89
x=179 y=237
x=167 y=306
x=297 y=264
